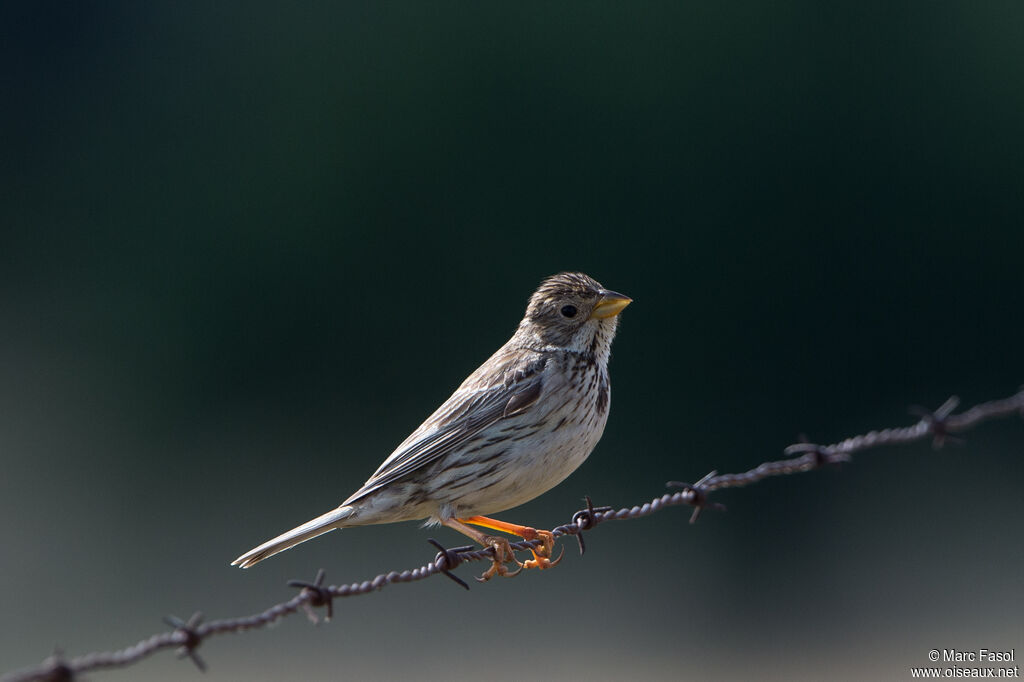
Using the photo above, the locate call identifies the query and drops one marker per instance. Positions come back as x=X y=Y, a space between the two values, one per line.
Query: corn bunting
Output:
x=515 y=428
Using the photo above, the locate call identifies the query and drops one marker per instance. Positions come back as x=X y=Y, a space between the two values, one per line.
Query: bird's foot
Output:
x=541 y=553
x=502 y=553
x=502 y=549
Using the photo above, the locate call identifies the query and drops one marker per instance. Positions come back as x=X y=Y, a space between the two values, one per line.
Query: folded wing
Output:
x=473 y=407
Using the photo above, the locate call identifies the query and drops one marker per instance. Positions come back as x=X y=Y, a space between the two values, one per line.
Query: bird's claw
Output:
x=542 y=552
x=502 y=554
x=543 y=562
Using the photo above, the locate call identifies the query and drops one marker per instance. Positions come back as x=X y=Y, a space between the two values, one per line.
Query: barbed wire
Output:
x=187 y=635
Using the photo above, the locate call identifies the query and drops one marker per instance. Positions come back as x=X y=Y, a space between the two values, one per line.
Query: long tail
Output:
x=307 y=531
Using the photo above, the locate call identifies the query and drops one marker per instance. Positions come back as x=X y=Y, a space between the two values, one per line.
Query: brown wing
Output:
x=501 y=388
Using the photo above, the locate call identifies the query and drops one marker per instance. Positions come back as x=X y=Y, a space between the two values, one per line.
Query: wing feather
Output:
x=490 y=394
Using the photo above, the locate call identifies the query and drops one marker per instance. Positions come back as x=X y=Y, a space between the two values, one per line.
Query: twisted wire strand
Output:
x=186 y=636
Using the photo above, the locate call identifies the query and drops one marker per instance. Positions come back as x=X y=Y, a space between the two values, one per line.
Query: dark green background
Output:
x=245 y=249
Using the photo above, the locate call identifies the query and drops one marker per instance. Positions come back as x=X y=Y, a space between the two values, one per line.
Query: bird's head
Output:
x=574 y=312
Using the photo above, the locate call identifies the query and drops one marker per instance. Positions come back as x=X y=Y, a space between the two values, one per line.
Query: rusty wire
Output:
x=186 y=636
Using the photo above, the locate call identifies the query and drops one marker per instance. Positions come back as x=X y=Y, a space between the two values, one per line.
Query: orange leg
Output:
x=541 y=554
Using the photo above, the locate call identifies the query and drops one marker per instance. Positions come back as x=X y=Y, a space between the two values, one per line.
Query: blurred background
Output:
x=246 y=249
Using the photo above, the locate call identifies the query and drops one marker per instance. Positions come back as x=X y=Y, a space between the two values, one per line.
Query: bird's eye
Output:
x=569 y=310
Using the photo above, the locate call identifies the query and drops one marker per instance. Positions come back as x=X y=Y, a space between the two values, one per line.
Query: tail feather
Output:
x=307 y=531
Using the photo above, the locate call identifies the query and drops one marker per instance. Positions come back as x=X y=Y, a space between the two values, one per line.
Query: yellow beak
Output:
x=609 y=305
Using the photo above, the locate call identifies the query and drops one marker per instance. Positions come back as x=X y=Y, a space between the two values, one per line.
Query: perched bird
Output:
x=515 y=428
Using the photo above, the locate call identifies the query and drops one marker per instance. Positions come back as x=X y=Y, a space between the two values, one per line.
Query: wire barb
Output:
x=448 y=559
x=56 y=670
x=316 y=596
x=937 y=422
x=801 y=457
x=587 y=518
x=696 y=495
x=188 y=633
x=818 y=454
